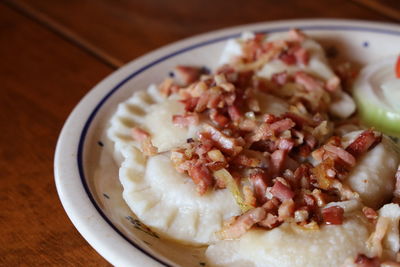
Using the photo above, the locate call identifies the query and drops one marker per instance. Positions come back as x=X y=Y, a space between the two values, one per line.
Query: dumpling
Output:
x=373 y=176
x=290 y=245
x=168 y=201
x=342 y=104
x=151 y=111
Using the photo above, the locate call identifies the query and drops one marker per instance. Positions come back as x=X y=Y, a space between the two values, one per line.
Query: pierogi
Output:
x=245 y=160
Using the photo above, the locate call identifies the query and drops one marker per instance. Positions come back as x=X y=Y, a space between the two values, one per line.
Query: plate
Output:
x=86 y=174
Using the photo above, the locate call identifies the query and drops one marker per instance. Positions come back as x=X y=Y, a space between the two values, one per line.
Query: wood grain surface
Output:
x=42 y=78
x=52 y=53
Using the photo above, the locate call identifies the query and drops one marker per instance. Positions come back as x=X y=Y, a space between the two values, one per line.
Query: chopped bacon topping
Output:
x=297 y=35
x=144 y=139
x=239 y=141
x=333 y=215
x=201 y=177
x=280 y=126
x=310 y=83
x=243 y=223
x=139 y=134
x=278 y=158
x=280 y=78
x=234 y=113
x=370 y=213
x=338 y=152
x=286 y=209
x=227 y=144
x=364 y=142
x=281 y=191
x=168 y=87
x=302 y=56
x=185 y=120
x=187 y=74
x=259 y=181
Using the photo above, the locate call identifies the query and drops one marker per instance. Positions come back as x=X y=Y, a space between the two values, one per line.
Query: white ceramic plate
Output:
x=86 y=175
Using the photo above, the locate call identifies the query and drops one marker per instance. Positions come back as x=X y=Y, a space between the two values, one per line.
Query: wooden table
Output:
x=53 y=52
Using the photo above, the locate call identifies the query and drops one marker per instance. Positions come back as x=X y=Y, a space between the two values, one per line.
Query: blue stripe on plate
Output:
x=161 y=59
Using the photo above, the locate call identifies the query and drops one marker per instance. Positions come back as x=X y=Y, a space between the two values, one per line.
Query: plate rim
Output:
x=83 y=211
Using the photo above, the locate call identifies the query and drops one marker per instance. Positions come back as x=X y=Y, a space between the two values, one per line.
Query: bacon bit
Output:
x=338 y=152
x=234 y=113
x=281 y=191
x=301 y=216
x=198 y=89
x=242 y=224
x=364 y=142
x=219 y=119
x=302 y=56
x=280 y=78
x=245 y=160
x=310 y=83
x=309 y=200
x=333 y=215
x=216 y=155
x=285 y=144
x=288 y=58
x=201 y=105
x=320 y=174
x=363 y=261
x=332 y=84
x=277 y=162
x=187 y=74
x=167 y=87
x=297 y=35
x=247 y=125
x=139 y=134
x=286 y=209
x=190 y=103
x=299 y=120
x=280 y=126
x=227 y=144
x=259 y=181
x=397 y=68
x=270 y=221
x=319 y=197
x=185 y=120
x=201 y=176
x=215 y=99
x=370 y=213
x=148 y=148
x=205 y=145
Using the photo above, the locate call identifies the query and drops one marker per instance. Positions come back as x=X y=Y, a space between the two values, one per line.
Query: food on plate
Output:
x=263 y=160
x=377 y=91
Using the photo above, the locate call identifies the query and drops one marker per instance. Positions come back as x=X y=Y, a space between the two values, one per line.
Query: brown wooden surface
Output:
x=52 y=53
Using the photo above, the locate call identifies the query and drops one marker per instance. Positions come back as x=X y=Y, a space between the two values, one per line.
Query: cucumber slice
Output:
x=377 y=96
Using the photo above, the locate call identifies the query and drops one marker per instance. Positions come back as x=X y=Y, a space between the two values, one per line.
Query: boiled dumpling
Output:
x=290 y=245
x=168 y=201
x=342 y=106
x=152 y=112
x=373 y=176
